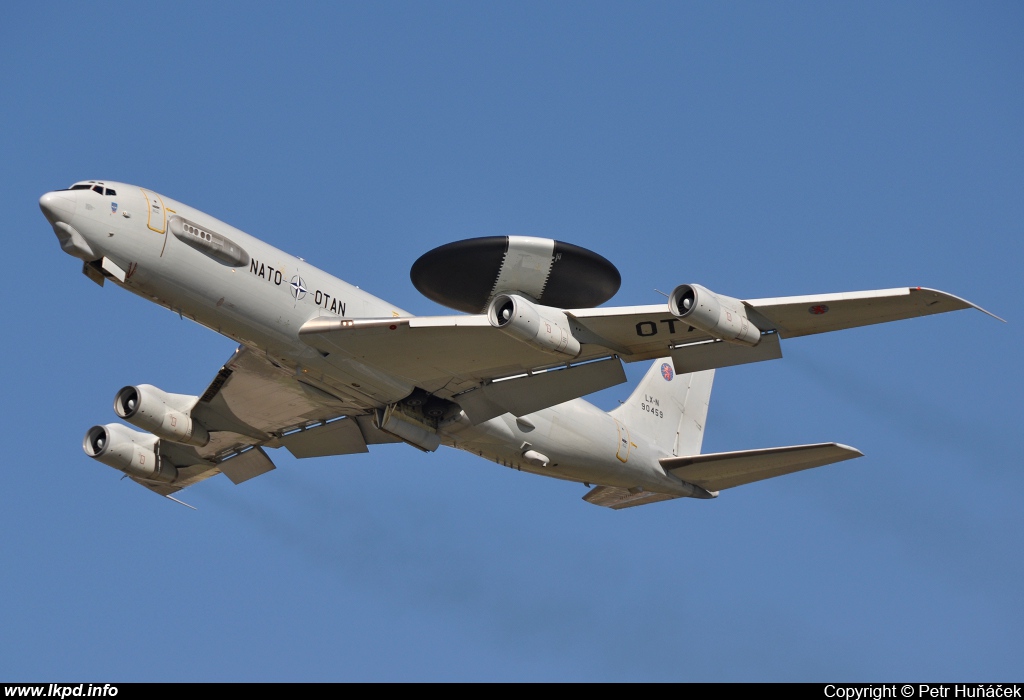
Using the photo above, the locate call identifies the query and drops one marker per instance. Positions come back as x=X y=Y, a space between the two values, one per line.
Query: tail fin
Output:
x=669 y=409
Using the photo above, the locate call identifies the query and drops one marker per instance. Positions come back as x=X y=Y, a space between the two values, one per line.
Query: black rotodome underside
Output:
x=461 y=275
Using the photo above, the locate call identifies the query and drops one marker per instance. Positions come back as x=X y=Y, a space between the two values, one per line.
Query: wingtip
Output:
x=998 y=318
x=846 y=448
x=961 y=300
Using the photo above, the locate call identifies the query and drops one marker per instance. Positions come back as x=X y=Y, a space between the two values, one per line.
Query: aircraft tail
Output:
x=669 y=409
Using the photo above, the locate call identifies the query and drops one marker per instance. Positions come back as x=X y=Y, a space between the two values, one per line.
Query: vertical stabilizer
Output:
x=669 y=409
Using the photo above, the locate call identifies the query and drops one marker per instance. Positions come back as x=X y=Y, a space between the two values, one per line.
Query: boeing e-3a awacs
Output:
x=323 y=368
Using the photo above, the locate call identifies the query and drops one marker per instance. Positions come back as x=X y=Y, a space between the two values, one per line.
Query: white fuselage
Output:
x=174 y=255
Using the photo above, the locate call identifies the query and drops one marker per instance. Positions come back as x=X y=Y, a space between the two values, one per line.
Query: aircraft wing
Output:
x=464 y=358
x=433 y=350
x=251 y=404
x=488 y=372
x=805 y=315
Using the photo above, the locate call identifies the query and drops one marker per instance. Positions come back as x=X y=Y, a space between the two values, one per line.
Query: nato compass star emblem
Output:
x=298 y=287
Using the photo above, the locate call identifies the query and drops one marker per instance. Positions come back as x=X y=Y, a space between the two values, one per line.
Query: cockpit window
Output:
x=95 y=187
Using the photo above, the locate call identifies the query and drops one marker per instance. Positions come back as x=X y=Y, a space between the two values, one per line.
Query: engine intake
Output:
x=168 y=416
x=543 y=327
x=721 y=316
x=129 y=451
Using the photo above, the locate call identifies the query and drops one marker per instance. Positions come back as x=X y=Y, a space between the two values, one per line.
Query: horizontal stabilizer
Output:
x=724 y=470
x=618 y=498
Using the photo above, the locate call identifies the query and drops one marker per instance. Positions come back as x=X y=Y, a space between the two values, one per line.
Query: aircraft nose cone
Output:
x=58 y=206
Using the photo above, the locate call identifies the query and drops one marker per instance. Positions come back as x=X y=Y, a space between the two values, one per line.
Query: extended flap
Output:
x=617 y=498
x=247 y=465
x=342 y=437
x=712 y=354
x=534 y=392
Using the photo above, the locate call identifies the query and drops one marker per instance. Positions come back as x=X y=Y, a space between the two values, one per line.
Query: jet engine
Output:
x=165 y=415
x=543 y=327
x=129 y=451
x=721 y=316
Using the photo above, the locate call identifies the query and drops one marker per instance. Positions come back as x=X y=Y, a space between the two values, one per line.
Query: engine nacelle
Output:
x=168 y=416
x=543 y=327
x=129 y=451
x=721 y=316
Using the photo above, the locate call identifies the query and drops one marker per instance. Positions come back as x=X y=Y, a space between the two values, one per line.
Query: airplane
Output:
x=323 y=368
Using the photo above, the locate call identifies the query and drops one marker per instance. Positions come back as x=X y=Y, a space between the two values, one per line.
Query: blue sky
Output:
x=759 y=149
